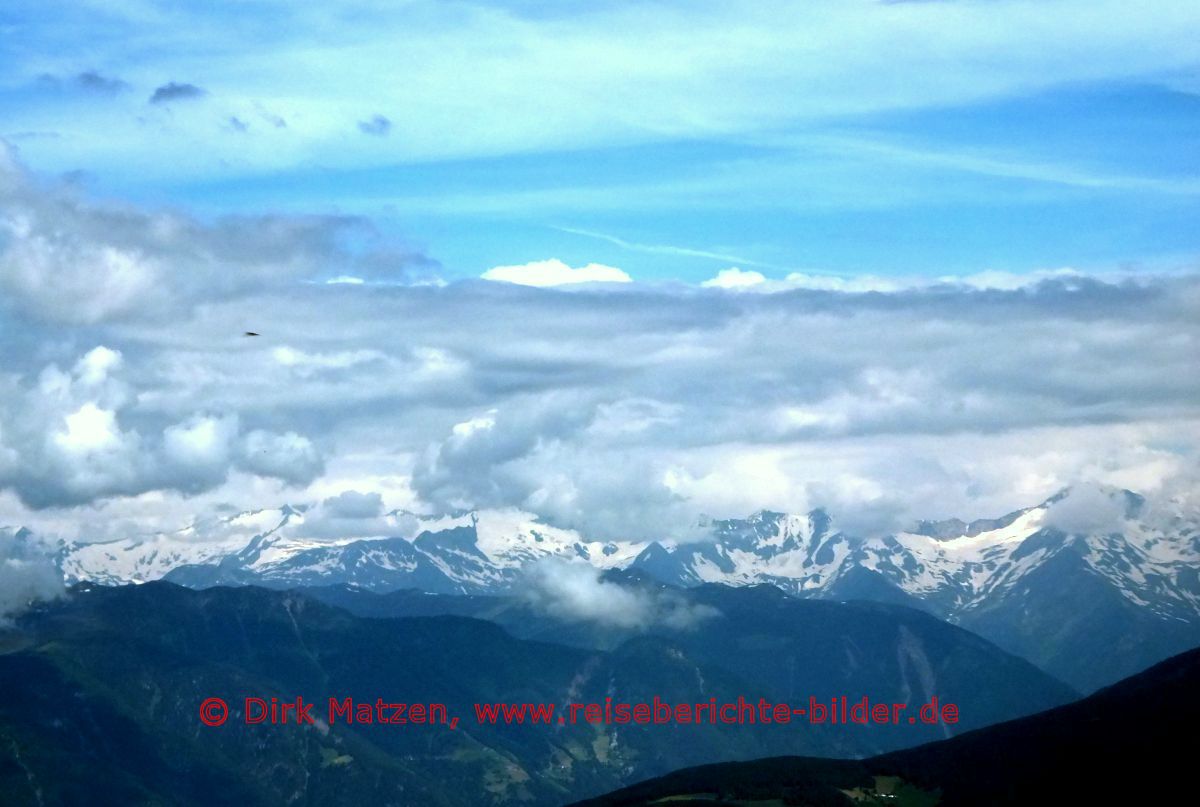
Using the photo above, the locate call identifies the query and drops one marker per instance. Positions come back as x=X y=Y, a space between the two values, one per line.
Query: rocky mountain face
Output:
x=1088 y=599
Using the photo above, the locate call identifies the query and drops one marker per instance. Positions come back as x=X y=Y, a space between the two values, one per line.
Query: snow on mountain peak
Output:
x=957 y=564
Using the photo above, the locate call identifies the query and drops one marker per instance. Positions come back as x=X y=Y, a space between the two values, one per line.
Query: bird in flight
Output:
x=249 y=333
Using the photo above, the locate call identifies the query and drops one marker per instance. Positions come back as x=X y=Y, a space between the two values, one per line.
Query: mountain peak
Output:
x=953 y=568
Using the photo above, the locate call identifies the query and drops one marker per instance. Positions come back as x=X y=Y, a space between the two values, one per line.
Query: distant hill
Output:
x=1127 y=744
x=101 y=694
x=784 y=647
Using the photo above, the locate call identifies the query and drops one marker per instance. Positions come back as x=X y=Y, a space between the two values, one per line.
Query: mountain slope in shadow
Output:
x=101 y=693
x=1131 y=743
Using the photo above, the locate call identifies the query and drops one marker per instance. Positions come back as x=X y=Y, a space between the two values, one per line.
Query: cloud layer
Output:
x=624 y=411
x=67 y=258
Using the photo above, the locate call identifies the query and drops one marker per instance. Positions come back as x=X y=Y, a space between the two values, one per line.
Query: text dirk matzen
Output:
x=273 y=711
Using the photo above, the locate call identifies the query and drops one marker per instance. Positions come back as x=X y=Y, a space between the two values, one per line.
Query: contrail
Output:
x=667 y=249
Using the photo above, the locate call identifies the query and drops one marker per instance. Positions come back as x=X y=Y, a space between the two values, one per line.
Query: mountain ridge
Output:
x=1017 y=579
x=102 y=690
x=1119 y=745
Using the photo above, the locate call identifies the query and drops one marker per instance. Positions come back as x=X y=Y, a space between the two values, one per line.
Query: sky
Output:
x=616 y=264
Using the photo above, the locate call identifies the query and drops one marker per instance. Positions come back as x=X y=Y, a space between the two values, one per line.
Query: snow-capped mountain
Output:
x=471 y=552
x=151 y=557
x=1031 y=581
x=1090 y=602
x=951 y=567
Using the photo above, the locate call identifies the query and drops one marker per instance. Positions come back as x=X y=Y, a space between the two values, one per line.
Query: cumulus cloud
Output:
x=71 y=260
x=75 y=436
x=884 y=408
x=734 y=278
x=353 y=504
x=569 y=459
x=575 y=591
x=289 y=456
x=554 y=272
x=354 y=514
x=201 y=442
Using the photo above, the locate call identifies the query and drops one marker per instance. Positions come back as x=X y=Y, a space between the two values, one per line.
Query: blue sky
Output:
x=670 y=140
x=1014 y=183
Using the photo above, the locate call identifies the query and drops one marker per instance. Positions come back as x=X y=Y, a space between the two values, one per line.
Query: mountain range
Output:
x=102 y=690
x=1088 y=599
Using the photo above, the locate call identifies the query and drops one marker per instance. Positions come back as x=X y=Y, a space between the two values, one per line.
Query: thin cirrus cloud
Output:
x=666 y=71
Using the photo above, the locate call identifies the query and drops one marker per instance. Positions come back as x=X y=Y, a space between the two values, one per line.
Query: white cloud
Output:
x=201 y=441
x=88 y=430
x=354 y=504
x=305 y=363
x=740 y=280
x=97 y=364
x=858 y=283
x=78 y=437
x=27 y=574
x=575 y=591
x=354 y=514
x=861 y=284
x=468 y=427
x=67 y=259
x=734 y=278
x=289 y=456
x=1088 y=508
x=554 y=272
x=1012 y=281
x=622 y=415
